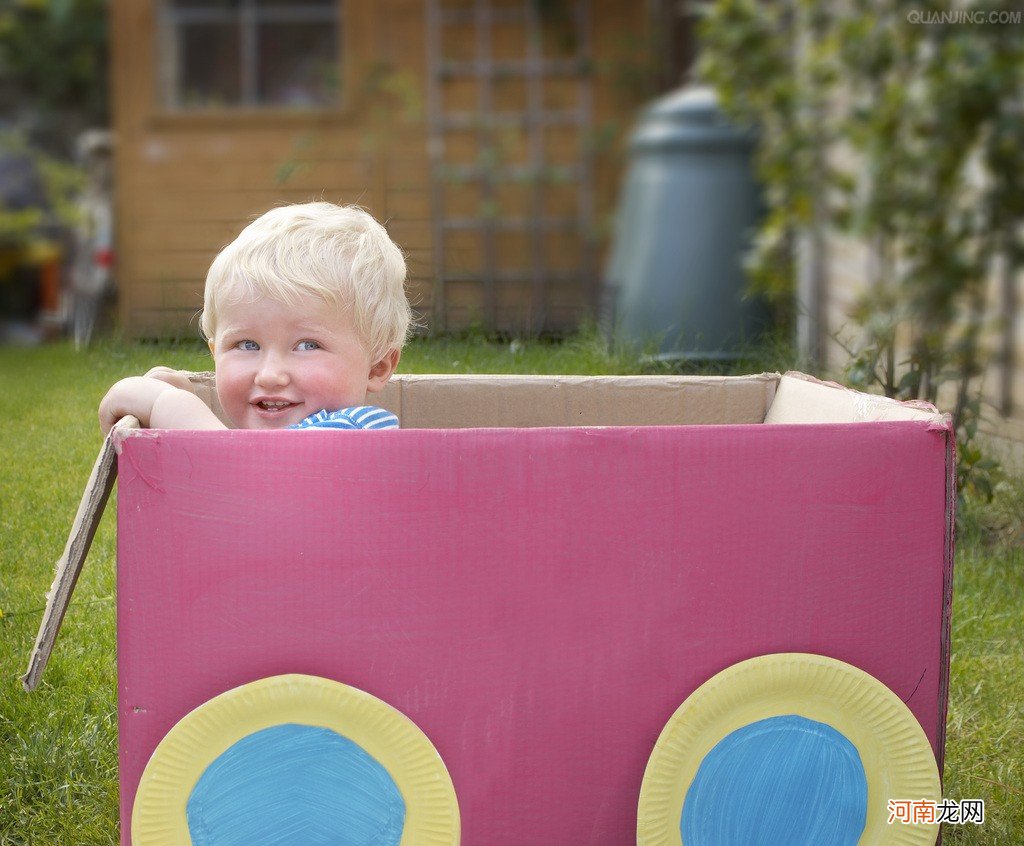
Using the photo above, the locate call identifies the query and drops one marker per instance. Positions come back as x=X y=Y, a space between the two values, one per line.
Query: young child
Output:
x=305 y=313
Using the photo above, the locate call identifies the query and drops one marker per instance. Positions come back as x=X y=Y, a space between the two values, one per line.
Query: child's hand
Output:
x=157 y=404
x=135 y=395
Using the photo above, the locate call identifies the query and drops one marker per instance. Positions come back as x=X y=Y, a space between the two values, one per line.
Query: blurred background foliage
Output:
x=907 y=136
x=37 y=190
x=53 y=85
x=53 y=70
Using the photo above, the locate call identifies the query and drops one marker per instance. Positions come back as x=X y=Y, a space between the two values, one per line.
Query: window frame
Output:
x=248 y=18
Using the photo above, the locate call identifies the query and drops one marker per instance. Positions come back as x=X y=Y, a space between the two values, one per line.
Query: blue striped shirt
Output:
x=356 y=417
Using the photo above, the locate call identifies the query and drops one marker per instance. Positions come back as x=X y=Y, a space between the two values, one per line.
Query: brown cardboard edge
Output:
x=771 y=387
x=69 y=565
x=204 y=386
x=558 y=393
x=426 y=401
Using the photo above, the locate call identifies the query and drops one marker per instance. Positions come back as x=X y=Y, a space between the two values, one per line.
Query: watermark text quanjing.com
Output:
x=973 y=17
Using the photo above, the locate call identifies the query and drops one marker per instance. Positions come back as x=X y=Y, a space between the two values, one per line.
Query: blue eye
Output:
x=247 y=346
x=308 y=345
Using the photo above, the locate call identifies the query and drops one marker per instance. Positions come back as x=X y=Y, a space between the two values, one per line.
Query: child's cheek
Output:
x=231 y=390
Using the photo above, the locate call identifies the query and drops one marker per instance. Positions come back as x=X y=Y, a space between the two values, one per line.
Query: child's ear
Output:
x=382 y=371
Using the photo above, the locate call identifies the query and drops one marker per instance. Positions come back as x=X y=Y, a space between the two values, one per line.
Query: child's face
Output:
x=277 y=364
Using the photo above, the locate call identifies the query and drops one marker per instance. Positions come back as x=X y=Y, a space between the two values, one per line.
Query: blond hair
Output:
x=338 y=253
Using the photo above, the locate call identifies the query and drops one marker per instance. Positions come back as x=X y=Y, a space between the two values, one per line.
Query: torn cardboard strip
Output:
x=90 y=510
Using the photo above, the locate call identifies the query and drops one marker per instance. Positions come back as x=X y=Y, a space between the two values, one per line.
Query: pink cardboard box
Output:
x=538 y=571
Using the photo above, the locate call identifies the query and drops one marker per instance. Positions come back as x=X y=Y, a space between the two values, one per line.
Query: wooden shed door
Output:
x=510 y=111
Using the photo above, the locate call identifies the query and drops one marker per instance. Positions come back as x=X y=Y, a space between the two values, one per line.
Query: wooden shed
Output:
x=487 y=134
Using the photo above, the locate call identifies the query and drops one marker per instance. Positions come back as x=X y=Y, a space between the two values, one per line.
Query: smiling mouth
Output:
x=274 y=405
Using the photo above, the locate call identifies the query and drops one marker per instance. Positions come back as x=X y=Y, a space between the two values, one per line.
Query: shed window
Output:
x=250 y=53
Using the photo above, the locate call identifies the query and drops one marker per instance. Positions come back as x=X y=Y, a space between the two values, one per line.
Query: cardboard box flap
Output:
x=69 y=566
x=457 y=402
x=204 y=386
x=803 y=399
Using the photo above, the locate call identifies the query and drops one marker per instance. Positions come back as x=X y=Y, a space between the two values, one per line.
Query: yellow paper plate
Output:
x=894 y=751
x=385 y=734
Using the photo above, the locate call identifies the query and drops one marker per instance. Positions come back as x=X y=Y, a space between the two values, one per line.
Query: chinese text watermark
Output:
x=924 y=811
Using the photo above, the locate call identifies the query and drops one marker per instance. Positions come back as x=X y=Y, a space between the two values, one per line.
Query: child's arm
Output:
x=157 y=404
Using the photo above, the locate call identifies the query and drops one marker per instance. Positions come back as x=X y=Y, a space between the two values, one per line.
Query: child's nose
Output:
x=272 y=372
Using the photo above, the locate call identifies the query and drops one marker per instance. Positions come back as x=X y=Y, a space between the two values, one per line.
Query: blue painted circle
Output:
x=785 y=780
x=295 y=784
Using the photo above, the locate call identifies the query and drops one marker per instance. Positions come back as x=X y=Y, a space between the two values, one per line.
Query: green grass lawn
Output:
x=58 y=746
